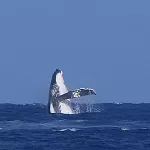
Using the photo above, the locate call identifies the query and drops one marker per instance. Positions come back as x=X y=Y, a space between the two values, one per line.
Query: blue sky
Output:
x=99 y=44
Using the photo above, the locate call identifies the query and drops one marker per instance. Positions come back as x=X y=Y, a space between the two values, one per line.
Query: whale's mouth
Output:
x=57 y=78
x=59 y=71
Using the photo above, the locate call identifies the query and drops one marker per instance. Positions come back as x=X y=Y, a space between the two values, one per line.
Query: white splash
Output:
x=67 y=129
x=125 y=129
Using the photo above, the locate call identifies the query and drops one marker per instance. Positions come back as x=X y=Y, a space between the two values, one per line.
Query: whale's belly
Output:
x=62 y=107
x=52 y=108
x=65 y=108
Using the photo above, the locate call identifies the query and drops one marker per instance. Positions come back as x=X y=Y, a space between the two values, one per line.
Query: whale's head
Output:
x=57 y=86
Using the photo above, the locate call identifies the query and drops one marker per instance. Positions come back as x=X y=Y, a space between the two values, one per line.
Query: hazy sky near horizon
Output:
x=104 y=45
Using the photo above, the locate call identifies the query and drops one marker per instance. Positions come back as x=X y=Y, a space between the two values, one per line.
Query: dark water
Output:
x=114 y=127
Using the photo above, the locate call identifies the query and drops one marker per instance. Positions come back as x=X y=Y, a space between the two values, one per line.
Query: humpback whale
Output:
x=60 y=98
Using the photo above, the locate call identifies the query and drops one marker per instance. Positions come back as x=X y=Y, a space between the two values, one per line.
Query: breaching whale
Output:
x=60 y=98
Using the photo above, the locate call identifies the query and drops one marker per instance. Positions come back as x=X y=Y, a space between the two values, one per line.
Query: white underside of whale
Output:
x=65 y=109
x=60 y=97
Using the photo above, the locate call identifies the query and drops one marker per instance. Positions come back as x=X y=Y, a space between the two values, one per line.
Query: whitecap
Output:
x=125 y=129
x=62 y=130
x=67 y=129
x=144 y=128
x=81 y=120
x=73 y=129
x=117 y=103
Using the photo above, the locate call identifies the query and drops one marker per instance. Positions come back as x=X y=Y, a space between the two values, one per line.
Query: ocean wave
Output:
x=66 y=129
x=81 y=120
x=125 y=129
x=66 y=126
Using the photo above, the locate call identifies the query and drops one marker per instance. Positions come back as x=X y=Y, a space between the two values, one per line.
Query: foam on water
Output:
x=66 y=129
x=125 y=129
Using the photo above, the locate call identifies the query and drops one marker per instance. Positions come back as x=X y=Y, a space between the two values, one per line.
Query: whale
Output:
x=60 y=99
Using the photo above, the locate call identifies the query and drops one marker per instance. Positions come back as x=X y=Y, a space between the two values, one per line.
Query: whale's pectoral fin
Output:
x=76 y=93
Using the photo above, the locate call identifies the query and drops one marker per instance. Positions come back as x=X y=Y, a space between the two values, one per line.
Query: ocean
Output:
x=106 y=126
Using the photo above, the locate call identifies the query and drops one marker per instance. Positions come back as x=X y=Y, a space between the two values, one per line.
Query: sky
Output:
x=103 y=45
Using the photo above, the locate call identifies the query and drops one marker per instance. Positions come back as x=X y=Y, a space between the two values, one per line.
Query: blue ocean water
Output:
x=107 y=127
